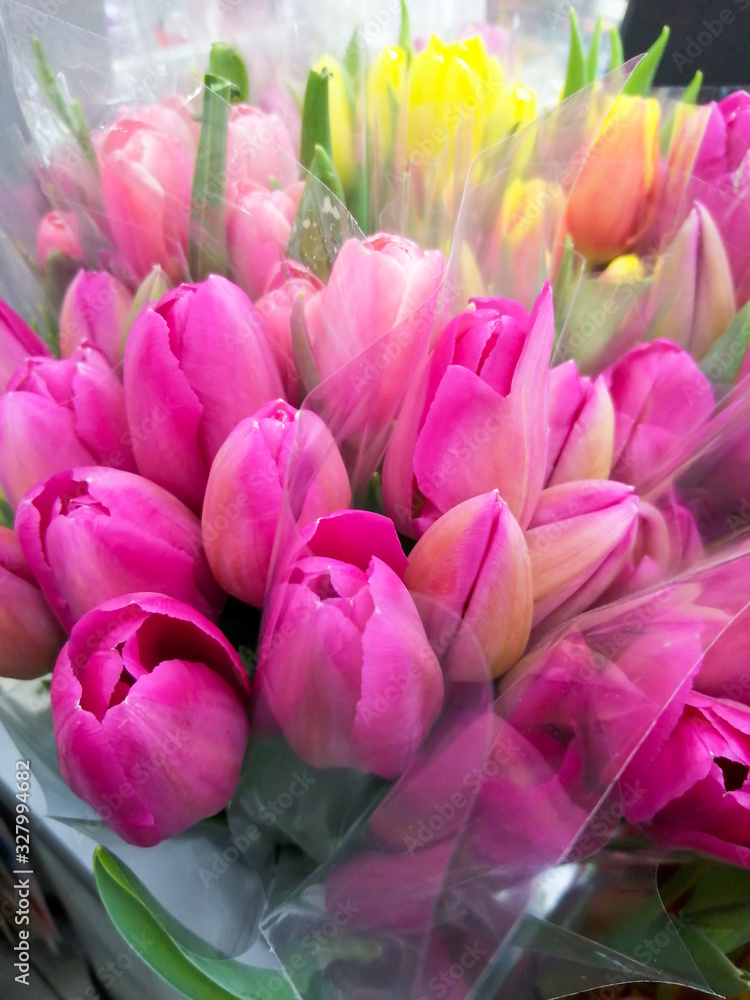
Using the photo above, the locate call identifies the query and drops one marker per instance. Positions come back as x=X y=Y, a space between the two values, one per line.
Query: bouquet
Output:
x=374 y=469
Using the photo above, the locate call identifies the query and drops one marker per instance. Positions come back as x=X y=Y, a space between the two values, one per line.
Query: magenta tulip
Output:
x=58 y=232
x=30 y=637
x=470 y=577
x=345 y=666
x=57 y=414
x=17 y=342
x=91 y=534
x=259 y=151
x=202 y=355
x=581 y=427
x=278 y=455
x=478 y=421
x=258 y=228
x=662 y=401
x=95 y=309
x=148 y=706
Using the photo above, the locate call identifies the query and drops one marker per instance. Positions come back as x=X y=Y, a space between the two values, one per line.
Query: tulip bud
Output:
x=582 y=427
x=58 y=232
x=95 y=309
x=660 y=398
x=17 y=342
x=346 y=668
x=148 y=710
x=198 y=361
x=579 y=539
x=248 y=484
x=470 y=577
x=57 y=414
x=259 y=151
x=692 y=296
x=30 y=638
x=259 y=225
x=614 y=196
x=91 y=534
x=487 y=383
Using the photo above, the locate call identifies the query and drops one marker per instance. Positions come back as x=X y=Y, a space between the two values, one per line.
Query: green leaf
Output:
x=71 y=113
x=617 y=56
x=316 y=125
x=139 y=919
x=353 y=57
x=640 y=80
x=404 y=35
x=592 y=63
x=321 y=225
x=207 y=245
x=693 y=89
x=723 y=362
x=356 y=197
x=226 y=63
x=6 y=514
x=575 y=78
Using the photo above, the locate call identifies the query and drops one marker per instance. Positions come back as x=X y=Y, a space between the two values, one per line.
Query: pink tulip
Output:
x=58 y=232
x=279 y=452
x=258 y=228
x=345 y=666
x=148 y=709
x=470 y=577
x=95 y=309
x=280 y=102
x=581 y=427
x=146 y=167
x=579 y=540
x=259 y=151
x=17 y=342
x=478 y=421
x=202 y=355
x=30 y=638
x=662 y=400
x=91 y=534
x=288 y=282
x=694 y=776
x=57 y=414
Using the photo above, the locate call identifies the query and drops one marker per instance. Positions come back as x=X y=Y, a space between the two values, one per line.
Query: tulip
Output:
x=202 y=353
x=478 y=420
x=95 y=309
x=259 y=151
x=277 y=452
x=17 y=342
x=31 y=637
x=148 y=710
x=582 y=427
x=693 y=776
x=146 y=170
x=58 y=232
x=613 y=200
x=385 y=91
x=340 y=117
x=57 y=414
x=91 y=534
x=288 y=282
x=691 y=300
x=579 y=539
x=661 y=399
x=470 y=577
x=258 y=230
x=725 y=671
x=346 y=668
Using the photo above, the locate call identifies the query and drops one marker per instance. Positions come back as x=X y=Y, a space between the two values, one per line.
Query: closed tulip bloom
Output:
x=246 y=491
x=259 y=151
x=614 y=196
x=582 y=427
x=340 y=115
x=202 y=355
x=17 y=342
x=346 y=667
x=91 y=534
x=661 y=400
x=478 y=421
x=470 y=577
x=258 y=228
x=95 y=309
x=30 y=637
x=58 y=232
x=57 y=414
x=579 y=539
x=148 y=706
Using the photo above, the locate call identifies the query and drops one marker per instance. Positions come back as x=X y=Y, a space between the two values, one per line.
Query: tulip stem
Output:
x=71 y=112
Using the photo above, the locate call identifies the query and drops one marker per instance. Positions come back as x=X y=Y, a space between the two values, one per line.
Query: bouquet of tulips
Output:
x=376 y=488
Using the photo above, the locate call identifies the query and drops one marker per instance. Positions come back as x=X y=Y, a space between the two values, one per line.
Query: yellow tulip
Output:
x=340 y=116
x=385 y=87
